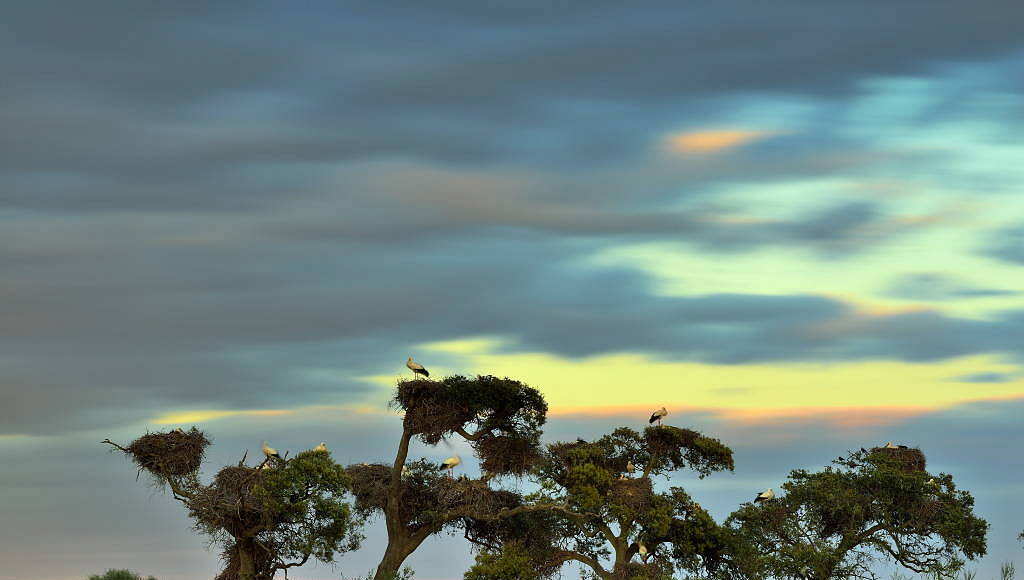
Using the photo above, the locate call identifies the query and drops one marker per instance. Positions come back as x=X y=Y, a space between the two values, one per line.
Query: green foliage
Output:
x=834 y=523
x=304 y=500
x=120 y=575
x=586 y=495
x=511 y=562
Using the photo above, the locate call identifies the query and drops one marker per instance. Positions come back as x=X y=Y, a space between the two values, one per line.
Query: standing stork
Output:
x=322 y=448
x=642 y=550
x=416 y=368
x=450 y=463
x=270 y=452
x=766 y=495
x=630 y=468
x=658 y=416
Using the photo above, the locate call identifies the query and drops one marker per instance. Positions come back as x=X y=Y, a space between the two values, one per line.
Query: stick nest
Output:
x=633 y=494
x=231 y=503
x=430 y=411
x=906 y=459
x=172 y=454
x=427 y=496
x=507 y=455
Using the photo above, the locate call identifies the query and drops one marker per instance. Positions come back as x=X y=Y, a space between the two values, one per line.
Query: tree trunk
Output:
x=246 y=562
x=398 y=550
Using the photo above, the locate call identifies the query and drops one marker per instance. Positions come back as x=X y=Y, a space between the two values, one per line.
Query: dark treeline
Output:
x=596 y=504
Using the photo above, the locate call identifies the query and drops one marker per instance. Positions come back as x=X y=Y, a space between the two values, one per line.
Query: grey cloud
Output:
x=985 y=378
x=1007 y=245
x=934 y=286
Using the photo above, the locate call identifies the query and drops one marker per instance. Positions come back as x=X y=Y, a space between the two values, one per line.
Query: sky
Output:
x=796 y=225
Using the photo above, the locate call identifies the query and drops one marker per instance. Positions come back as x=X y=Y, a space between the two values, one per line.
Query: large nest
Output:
x=507 y=455
x=473 y=497
x=173 y=454
x=427 y=496
x=437 y=409
x=370 y=482
x=231 y=502
x=632 y=494
x=904 y=458
x=430 y=410
x=666 y=439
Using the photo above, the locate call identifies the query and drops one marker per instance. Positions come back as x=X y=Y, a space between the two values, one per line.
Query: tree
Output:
x=120 y=575
x=499 y=417
x=871 y=504
x=266 y=518
x=591 y=510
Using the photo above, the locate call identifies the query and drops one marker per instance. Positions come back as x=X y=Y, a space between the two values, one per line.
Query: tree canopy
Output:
x=592 y=510
x=868 y=505
x=500 y=418
x=266 y=518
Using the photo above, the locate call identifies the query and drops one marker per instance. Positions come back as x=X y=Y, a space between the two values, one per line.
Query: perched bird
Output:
x=889 y=445
x=266 y=465
x=179 y=430
x=630 y=468
x=322 y=448
x=642 y=550
x=450 y=463
x=270 y=452
x=416 y=368
x=932 y=482
x=765 y=495
x=658 y=415
x=622 y=476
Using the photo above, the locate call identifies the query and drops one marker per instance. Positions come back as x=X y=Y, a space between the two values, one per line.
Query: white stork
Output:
x=270 y=452
x=322 y=448
x=450 y=463
x=766 y=495
x=416 y=368
x=630 y=468
x=658 y=416
x=642 y=550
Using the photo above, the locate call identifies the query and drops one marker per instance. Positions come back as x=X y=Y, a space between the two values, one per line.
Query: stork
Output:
x=270 y=452
x=416 y=368
x=658 y=416
x=450 y=463
x=322 y=448
x=642 y=550
x=630 y=468
x=766 y=495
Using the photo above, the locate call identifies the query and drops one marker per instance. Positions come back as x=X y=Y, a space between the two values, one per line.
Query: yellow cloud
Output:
x=862 y=391
x=199 y=416
x=711 y=141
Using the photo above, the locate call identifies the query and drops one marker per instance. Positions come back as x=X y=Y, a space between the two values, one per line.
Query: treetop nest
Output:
x=507 y=455
x=909 y=459
x=436 y=409
x=172 y=454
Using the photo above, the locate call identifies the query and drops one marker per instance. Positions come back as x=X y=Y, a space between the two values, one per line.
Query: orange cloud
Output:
x=711 y=141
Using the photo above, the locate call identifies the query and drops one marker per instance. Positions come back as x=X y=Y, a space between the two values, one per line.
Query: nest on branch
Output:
x=905 y=458
x=507 y=455
x=172 y=454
